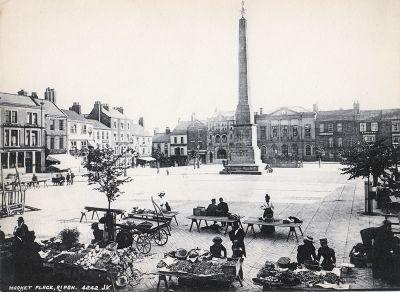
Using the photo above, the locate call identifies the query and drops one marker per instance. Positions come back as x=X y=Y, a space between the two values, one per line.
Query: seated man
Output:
x=97 y=233
x=212 y=208
x=217 y=248
x=223 y=208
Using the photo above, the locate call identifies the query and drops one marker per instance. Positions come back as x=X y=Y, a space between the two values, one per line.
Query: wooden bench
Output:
x=94 y=210
x=251 y=221
x=197 y=220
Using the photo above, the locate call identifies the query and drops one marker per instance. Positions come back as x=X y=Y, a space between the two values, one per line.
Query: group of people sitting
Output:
x=221 y=209
x=306 y=254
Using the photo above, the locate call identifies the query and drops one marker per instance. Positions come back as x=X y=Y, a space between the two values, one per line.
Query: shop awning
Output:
x=64 y=161
x=146 y=158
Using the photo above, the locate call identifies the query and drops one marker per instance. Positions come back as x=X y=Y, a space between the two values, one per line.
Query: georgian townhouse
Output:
x=22 y=134
x=56 y=127
x=101 y=135
x=179 y=153
x=162 y=142
x=80 y=132
x=119 y=124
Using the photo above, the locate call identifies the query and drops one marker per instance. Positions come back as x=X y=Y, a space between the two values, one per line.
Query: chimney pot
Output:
x=261 y=110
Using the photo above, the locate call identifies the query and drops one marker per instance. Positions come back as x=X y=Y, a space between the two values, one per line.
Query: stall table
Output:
x=165 y=215
x=251 y=221
x=197 y=220
x=94 y=210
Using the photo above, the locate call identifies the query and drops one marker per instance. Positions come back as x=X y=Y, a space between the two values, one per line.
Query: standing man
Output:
x=383 y=245
x=72 y=178
x=236 y=235
x=329 y=261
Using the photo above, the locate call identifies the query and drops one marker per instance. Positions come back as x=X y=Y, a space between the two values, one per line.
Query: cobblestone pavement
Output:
x=326 y=201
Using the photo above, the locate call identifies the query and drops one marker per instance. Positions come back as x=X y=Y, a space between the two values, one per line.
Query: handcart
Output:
x=156 y=229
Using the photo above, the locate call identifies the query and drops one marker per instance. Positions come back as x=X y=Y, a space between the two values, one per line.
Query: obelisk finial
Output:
x=243 y=11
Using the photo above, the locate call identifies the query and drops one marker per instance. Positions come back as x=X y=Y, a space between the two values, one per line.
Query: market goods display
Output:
x=308 y=277
x=272 y=275
x=197 y=266
x=116 y=262
x=330 y=278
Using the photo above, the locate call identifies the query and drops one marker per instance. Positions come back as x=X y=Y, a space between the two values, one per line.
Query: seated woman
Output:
x=217 y=248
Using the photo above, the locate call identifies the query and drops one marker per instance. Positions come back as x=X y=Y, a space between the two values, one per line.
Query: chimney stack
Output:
x=22 y=92
x=315 y=107
x=141 y=121
x=167 y=130
x=156 y=130
x=193 y=117
x=50 y=95
x=76 y=107
x=261 y=110
x=106 y=106
x=34 y=95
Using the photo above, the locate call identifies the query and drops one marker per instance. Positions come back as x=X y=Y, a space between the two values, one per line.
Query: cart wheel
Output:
x=143 y=244
x=160 y=237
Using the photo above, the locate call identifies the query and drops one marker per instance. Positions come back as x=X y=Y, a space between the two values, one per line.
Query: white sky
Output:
x=166 y=59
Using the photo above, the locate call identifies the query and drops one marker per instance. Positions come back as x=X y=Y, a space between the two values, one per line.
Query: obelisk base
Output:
x=241 y=169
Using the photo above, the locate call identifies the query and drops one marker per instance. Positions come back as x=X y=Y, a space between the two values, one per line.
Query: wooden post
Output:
x=21 y=197
x=3 y=195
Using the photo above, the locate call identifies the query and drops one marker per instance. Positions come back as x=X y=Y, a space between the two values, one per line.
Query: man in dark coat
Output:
x=97 y=233
x=223 y=208
x=328 y=254
x=21 y=230
x=212 y=208
x=236 y=235
x=383 y=244
x=306 y=251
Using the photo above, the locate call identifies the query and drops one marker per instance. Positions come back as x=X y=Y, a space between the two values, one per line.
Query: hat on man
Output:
x=323 y=240
x=308 y=238
x=94 y=225
x=161 y=194
x=20 y=218
x=217 y=239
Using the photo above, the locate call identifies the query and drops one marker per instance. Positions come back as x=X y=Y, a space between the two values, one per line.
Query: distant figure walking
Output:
x=72 y=178
x=167 y=171
x=68 y=178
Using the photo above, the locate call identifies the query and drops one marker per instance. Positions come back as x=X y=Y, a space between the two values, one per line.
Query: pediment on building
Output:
x=287 y=111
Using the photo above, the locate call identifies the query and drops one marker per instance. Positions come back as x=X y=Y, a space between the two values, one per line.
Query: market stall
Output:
x=285 y=275
x=197 y=268
x=91 y=264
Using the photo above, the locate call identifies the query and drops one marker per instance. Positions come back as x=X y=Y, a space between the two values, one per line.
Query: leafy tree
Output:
x=105 y=172
x=366 y=159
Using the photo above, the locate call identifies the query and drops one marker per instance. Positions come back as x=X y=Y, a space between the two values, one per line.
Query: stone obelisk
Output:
x=244 y=155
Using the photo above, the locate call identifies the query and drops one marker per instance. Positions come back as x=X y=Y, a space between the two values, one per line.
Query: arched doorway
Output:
x=211 y=157
x=221 y=154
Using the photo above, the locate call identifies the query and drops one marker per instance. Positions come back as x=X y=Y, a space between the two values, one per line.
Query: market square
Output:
x=144 y=166
x=326 y=201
